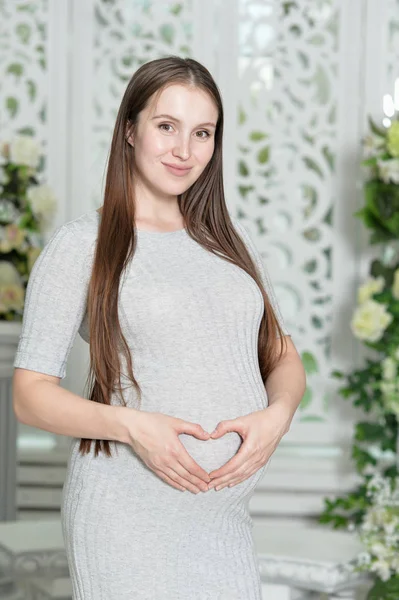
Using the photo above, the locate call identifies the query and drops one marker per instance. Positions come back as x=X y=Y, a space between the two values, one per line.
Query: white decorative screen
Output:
x=291 y=74
x=23 y=68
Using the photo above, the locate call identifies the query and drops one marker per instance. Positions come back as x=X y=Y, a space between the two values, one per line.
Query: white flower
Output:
x=388 y=387
x=42 y=201
x=381 y=567
x=4 y=178
x=364 y=558
x=389 y=170
x=24 y=150
x=395 y=285
x=370 y=320
x=373 y=285
x=389 y=369
x=372 y=144
x=8 y=273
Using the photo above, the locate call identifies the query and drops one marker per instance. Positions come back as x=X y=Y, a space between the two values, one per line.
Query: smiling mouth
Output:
x=177 y=168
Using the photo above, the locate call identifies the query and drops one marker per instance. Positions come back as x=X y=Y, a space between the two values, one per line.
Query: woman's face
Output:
x=177 y=130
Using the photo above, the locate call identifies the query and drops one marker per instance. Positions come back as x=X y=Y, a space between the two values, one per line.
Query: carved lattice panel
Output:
x=287 y=70
x=23 y=63
x=126 y=35
x=288 y=74
x=392 y=71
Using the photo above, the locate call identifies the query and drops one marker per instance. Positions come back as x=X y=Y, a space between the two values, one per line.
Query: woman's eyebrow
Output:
x=178 y=120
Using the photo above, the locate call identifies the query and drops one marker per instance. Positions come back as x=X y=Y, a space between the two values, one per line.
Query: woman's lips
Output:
x=177 y=171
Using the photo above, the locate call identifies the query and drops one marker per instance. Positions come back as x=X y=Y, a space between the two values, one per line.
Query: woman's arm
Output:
x=286 y=384
x=39 y=401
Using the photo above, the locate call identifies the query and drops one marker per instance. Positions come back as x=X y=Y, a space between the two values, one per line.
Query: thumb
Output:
x=194 y=429
x=220 y=429
x=227 y=426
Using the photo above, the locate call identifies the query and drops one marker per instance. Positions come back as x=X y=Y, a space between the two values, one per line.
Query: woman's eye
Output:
x=203 y=137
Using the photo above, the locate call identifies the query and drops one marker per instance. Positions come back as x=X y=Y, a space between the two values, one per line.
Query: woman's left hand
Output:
x=261 y=432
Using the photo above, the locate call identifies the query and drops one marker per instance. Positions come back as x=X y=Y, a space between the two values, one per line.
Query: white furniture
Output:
x=9 y=336
x=304 y=561
x=308 y=560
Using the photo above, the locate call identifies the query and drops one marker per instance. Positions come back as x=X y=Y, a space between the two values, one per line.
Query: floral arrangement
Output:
x=381 y=210
x=379 y=534
x=374 y=387
x=27 y=207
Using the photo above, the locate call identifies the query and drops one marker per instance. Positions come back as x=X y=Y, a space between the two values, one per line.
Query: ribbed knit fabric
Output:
x=191 y=320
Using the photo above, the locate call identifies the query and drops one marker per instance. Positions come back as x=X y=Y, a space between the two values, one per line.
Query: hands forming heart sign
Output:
x=261 y=432
x=155 y=438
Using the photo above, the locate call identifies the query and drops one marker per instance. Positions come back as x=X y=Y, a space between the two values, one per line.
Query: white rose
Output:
x=370 y=320
x=42 y=201
x=373 y=285
x=395 y=285
x=372 y=144
x=381 y=567
x=8 y=273
x=389 y=369
x=24 y=150
x=389 y=170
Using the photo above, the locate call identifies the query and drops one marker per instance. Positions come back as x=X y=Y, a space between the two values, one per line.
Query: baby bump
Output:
x=212 y=454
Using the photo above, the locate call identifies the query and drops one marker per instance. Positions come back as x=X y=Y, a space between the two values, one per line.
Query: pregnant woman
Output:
x=193 y=378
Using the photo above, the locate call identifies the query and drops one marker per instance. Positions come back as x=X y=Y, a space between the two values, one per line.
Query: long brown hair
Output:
x=206 y=218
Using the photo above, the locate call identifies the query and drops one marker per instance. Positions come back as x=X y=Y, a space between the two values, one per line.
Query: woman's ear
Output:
x=129 y=134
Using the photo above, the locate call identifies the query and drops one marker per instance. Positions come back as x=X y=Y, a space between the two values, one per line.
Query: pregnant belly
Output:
x=212 y=454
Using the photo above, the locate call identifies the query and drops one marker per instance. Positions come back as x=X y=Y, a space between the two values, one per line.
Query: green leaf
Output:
x=23 y=31
x=310 y=363
x=242 y=117
x=256 y=136
x=337 y=374
x=12 y=106
x=263 y=155
x=384 y=590
x=369 y=162
x=312 y=419
x=16 y=68
x=376 y=129
x=365 y=431
x=242 y=168
x=307 y=399
x=31 y=85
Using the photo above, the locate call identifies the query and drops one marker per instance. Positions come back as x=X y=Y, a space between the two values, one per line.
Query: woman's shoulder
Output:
x=85 y=227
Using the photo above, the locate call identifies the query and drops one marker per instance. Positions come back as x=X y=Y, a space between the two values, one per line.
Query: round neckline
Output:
x=145 y=231
x=148 y=232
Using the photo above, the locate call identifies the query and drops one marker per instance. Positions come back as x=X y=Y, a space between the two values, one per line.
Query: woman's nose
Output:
x=182 y=149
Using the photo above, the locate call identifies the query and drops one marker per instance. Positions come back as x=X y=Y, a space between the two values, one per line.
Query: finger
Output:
x=248 y=467
x=181 y=480
x=230 y=425
x=168 y=480
x=233 y=464
x=187 y=461
x=194 y=429
x=237 y=479
x=180 y=469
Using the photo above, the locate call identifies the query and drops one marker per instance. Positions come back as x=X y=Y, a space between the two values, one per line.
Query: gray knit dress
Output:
x=191 y=320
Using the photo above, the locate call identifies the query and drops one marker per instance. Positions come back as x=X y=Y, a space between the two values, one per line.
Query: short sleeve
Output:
x=263 y=272
x=55 y=303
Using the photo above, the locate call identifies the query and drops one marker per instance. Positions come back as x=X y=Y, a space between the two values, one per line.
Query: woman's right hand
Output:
x=154 y=438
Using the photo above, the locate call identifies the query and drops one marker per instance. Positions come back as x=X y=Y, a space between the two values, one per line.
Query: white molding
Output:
x=81 y=108
x=58 y=105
